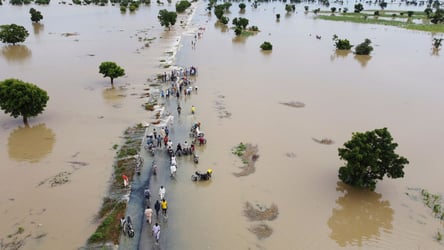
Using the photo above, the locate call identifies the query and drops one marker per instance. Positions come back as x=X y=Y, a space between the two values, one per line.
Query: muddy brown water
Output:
x=397 y=87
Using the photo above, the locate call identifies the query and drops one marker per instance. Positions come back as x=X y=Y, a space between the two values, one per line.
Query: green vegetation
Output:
x=239 y=150
x=111 y=70
x=13 y=33
x=364 y=48
x=113 y=208
x=240 y=22
x=266 y=46
x=242 y=6
x=182 y=6
x=437 y=42
x=224 y=20
x=401 y=22
x=167 y=18
x=22 y=99
x=341 y=44
x=369 y=157
x=434 y=202
x=278 y=16
x=109 y=229
x=36 y=15
x=358 y=8
x=290 y=8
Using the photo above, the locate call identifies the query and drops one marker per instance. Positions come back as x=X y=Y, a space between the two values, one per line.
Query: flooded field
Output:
x=241 y=91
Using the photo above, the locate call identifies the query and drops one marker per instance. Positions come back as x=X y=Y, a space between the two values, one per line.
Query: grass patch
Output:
x=113 y=208
x=364 y=18
x=109 y=229
x=239 y=150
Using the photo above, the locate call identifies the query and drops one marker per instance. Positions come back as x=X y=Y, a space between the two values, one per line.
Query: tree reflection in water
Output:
x=30 y=143
x=16 y=53
x=363 y=59
x=360 y=217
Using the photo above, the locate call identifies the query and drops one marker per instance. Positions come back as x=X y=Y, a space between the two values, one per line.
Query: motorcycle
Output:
x=198 y=176
x=195 y=158
x=128 y=228
x=150 y=148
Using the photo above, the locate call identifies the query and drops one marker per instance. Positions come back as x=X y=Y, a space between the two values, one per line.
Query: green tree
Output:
x=182 y=6
x=364 y=48
x=333 y=10
x=289 y=7
x=240 y=22
x=437 y=42
x=237 y=31
x=341 y=44
x=358 y=8
x=370 y=156
x=383 y=5
x=36 y=15
x=167 y=18
x=278 y=16
x=13 y=33
x=22 y=99
x=219 y=11
x=266 y=46
x=428 y=11
x=242 y=6
x=111 y=70
x=224 y=20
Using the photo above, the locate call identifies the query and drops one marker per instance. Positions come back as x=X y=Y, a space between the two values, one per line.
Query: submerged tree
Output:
x=167 y=18
x=364 y=48
x=341 y=44
x=437 y=43
x=36 y=15
x=111 y=70
x=13 y=33
x=20 y=98
x=358 y=8
x=266 y=46
x=242 y=6
x=182 y=6
x=370 y=156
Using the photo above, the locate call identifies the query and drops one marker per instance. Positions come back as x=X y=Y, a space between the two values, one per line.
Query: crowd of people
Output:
x=159 y=140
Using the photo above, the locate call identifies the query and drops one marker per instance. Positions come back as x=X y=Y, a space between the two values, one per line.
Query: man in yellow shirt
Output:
x=164 y=206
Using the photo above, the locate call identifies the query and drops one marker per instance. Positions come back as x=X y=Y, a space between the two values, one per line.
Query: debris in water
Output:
x=260 y=212
x=261 y=231
x=325 y=141
x=293 y=104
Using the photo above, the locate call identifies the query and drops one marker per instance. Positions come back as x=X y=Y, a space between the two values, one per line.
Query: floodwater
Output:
x=240 y=94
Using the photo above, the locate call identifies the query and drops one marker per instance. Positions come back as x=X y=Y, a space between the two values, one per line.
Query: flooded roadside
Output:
x=83 y=120
x=240 y=96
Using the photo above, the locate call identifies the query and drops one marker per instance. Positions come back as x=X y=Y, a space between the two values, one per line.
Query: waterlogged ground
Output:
x=241 y=91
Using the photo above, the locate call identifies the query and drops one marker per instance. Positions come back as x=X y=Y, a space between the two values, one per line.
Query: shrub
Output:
x=364 y=48
x=341 y=44
x=182 y=6
x=266 y=46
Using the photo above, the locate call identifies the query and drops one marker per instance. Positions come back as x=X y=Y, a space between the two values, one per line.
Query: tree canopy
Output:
x=13 y=33
x=111 y=70
x=182 y=6
x=364 y=48
x=167 y=18
x=370 y=156
x=22 y=99
x=36 y=15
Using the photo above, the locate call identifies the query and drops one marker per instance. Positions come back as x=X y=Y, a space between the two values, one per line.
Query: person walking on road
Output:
x=157 y=208
x=164 y=206
x=156 y=232
x=162 y=192
x=148 y=214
